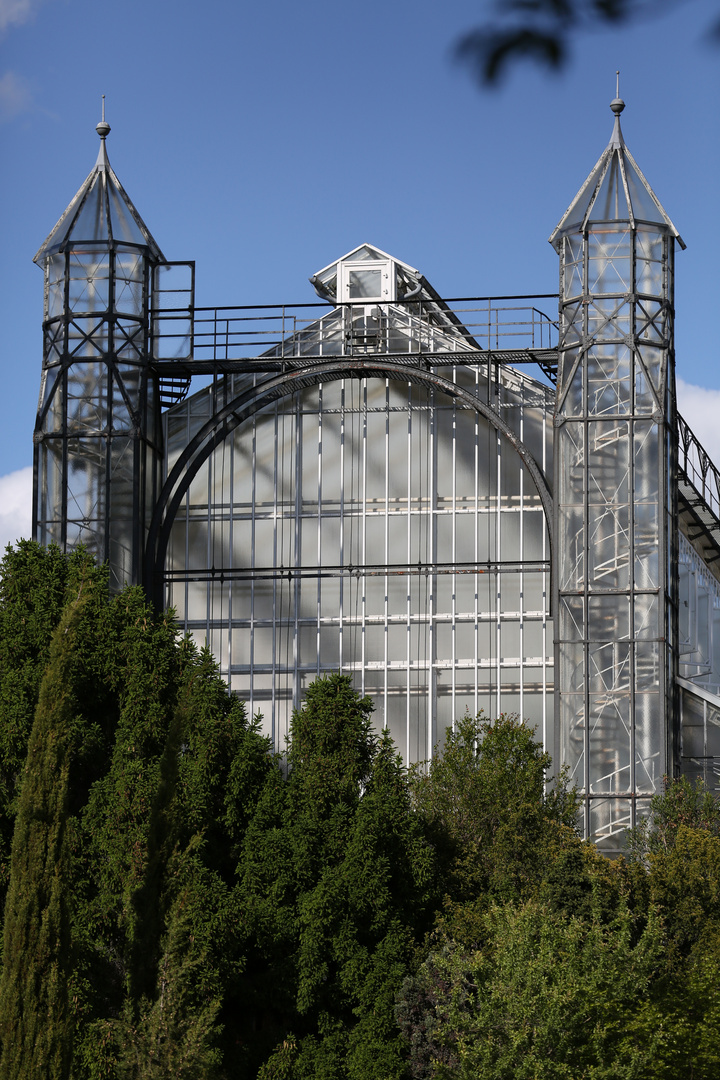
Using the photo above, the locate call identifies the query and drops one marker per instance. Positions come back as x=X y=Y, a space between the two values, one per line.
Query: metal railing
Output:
x=699 y=468
x=222 y=334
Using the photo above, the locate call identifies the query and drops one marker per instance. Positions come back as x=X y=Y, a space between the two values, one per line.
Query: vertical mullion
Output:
x=319 y=613
x=476 y=534
x=341 y=624
x=274 y=624
x=521 y=604
x=453 y=600
x=498 y=577
x=296 y=559
x=362 y=579
x=387 y=547
x=231 y=554
x=407 y=576
x=430 y=578
x=253 y=549
x=586 y=534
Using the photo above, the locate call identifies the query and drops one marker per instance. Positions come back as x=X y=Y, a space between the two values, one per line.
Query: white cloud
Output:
x=15 y=12
x=701 y=409
x=15 y=506
x=15 y=95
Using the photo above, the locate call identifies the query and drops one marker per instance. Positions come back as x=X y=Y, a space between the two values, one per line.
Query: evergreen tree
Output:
x=35 y=585
x=160 y=836
x=35 y=1013
x=545 y=996
x=338 y=880
x=175 y=1033
x=485 y=802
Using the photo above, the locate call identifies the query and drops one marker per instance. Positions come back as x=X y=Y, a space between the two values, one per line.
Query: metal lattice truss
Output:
x=616 y=513
x=96 y=448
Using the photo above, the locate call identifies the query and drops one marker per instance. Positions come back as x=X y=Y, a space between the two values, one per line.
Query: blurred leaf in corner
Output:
x=543 y=31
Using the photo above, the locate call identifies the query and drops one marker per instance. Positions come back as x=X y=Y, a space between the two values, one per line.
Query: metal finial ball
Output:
x=617 y=105
x=103 y=129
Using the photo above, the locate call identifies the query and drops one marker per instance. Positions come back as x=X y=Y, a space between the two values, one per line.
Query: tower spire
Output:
x=617 y=105
x=615 y=190
x=103 y=128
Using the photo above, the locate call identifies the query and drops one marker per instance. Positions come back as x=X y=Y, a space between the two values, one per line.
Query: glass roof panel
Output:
x=578 y=208
x=90 y=222
x=86 y=219
x=363 y=254
x=644 y=206
x=124 y=226
x=611 y=202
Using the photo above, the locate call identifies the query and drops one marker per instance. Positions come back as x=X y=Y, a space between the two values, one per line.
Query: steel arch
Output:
x=255 y=398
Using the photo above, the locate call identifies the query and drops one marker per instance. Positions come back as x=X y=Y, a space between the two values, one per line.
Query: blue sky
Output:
x=265 y=141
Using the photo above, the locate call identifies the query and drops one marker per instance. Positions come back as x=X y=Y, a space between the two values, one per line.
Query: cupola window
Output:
x=363 y=281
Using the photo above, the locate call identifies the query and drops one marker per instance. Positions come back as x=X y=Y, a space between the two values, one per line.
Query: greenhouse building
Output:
x=463 y=504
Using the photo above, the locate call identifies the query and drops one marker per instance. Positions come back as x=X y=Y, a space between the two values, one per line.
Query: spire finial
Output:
x=617 y=104
x=103 y=128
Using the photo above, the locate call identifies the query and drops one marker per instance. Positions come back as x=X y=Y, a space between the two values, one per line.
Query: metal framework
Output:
x=371 y=495
x=615 y=462
x=98 y=450
x=465 y=504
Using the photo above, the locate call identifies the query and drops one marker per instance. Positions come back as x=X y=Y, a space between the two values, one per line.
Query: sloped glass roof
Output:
x=615 y=190
x=101 y=213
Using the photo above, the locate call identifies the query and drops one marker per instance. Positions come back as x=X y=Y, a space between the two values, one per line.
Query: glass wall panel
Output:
x=376 y=528
x=649 y=748
x=608 y=820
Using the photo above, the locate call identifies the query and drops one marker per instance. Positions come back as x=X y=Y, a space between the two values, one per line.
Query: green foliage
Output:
x=149 y=770
x=175 y=1032
x=681 y=804
x=35 y=585
x=682 y=1018
x=542 y=31
x=35 y=1015
x=545 y=996
x=183 y=903
x=487 y=810
x=680 y=875
x=338 y=879
x=602 y=970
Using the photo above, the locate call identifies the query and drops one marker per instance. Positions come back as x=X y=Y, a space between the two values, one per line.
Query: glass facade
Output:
x=377 y=525
x=463 y=509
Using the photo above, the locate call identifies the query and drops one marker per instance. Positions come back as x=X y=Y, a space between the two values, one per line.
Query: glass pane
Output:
x=90 y=224
x=608 y=617
x=124 y=226
x=364 y=283
x=609 y=819
x=649 y=743
x=609 y=548
x=610 y=741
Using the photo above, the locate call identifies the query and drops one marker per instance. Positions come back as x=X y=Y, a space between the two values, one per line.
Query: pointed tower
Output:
x=97 y=451
x=616 y=525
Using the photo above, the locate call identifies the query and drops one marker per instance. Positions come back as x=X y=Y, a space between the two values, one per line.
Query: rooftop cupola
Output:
x=615 y=190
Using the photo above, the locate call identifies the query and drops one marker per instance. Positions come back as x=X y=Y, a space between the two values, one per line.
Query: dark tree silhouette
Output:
x=543 y=31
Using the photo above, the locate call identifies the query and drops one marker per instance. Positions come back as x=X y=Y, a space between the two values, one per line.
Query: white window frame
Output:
x=388 y=279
